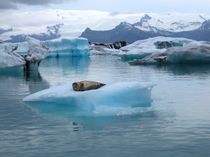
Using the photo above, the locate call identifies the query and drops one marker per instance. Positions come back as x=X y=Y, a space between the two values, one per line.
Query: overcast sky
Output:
x=201 y=6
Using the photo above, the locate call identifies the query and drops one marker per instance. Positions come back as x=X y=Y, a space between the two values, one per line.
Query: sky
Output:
x=197 y=6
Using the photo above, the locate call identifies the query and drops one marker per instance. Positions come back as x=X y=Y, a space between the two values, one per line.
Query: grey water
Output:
x=177 y=124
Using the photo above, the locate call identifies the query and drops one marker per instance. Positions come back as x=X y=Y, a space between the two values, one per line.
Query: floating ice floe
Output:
x=193 y=53
x=143 y=48
x=8 y=58
x=118 y=95
x=76 y=47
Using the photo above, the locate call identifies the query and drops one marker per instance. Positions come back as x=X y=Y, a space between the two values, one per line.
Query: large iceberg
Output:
x=8 y=57
x=193 y=53
x=31 y=51
x=117 y=95
x=75 y=47
x=143 y=48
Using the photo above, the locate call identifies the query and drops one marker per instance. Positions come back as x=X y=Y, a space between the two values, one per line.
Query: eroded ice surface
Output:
x=144 y=48
x=8 y=58
x=32 y=49
x=37 y=51
x=68 y=47
x=118 y=95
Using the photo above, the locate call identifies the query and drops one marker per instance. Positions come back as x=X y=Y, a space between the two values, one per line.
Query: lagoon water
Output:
x=176 y=124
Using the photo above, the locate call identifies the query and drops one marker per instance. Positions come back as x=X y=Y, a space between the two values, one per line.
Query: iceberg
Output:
x=76 y=47
x=31 y=51
x=107 y=48
x=117 y=95
x=143 y=48
x=8 y=57
x=37 y=51
x=101 y=50
x=193 y=53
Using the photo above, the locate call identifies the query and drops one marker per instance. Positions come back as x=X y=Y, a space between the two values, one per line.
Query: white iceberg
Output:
x=37 y=51
x=143 y=48
x=8 y=58
x=33 y=51
x=193 y=53
x=118 y=95
x=76 y=47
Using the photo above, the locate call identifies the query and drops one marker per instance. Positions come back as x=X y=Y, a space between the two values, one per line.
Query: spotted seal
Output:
x=86 y=85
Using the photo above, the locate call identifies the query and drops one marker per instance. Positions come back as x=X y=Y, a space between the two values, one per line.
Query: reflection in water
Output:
x=12 y=72
x=32 y=75
x=35 y=80
x=57 y=70
x=85 y=117
x=67 y=63
x=193 y=70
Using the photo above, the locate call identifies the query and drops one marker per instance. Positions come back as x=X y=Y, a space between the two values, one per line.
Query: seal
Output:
x=86 y=85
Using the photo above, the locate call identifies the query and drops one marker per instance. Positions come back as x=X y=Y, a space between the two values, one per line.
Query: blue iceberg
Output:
x=76 y=47
x=112 y=96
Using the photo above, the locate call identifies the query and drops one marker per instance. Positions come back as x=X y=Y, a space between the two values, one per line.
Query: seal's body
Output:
x=86 y=85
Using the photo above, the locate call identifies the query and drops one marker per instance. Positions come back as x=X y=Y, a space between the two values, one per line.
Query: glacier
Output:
x=143 y=48
x=75 y=47
x=192 y=53
x=116 y=95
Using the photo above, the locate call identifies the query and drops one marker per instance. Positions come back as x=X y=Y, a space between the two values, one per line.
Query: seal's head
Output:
x=78 y=86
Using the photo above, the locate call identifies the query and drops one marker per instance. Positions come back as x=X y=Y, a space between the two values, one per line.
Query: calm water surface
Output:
x=177 y=124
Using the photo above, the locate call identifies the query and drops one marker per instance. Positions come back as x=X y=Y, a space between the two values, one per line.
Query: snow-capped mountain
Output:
x=2 y=30
x=205 y=25
x=170 y=22
x=52 y=32
x=50 y=24
x=130 y=33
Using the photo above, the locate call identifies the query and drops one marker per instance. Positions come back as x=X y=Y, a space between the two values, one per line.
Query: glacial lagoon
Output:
x=176 y=124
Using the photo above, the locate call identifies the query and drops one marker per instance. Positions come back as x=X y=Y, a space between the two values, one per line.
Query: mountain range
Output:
x=143 y=30
x=100 y=26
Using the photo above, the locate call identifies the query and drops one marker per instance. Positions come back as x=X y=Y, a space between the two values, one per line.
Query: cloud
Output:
x=12 y=4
